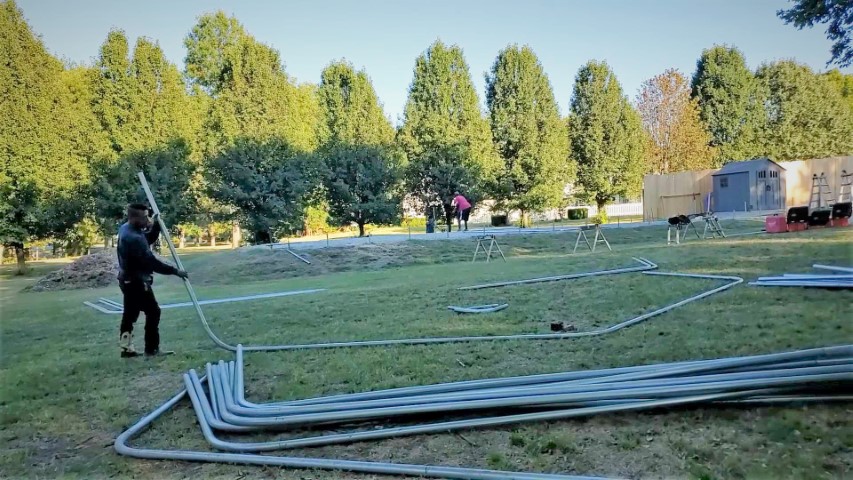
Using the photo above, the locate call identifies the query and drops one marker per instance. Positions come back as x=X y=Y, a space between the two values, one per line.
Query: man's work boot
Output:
x=125 y=342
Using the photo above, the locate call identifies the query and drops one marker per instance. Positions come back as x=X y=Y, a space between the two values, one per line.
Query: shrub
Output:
x=414 y=222
x=578 y=213
x=317 y=220
x=599 y=219
x=500 y=220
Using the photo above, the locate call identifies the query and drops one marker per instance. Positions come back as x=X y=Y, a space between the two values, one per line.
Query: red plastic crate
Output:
x=797 y=227
x=840 y=222
x=775 y=224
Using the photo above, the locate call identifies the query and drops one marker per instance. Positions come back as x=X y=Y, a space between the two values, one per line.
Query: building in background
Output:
x=757 y=184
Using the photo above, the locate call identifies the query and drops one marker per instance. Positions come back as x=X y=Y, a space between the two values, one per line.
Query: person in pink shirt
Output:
x=463 y=209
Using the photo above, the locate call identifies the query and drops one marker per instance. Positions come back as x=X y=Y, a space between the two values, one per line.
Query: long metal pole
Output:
x=164 y=230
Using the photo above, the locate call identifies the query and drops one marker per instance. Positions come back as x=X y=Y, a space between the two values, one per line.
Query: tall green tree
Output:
x=161 y=106
x=144 y=108
x=252 y=97
x=114 y=91
x=528 y=132
x=168 y=170
x=362 y=184
x=730 y=103
x=442 y=116
x=362 y=169
x=806 y=117
x=43 y=169
x=268 y=183
x=606 y=136
x=351 y=111
x=679 y=140
x=843 y=83
x=837 y=13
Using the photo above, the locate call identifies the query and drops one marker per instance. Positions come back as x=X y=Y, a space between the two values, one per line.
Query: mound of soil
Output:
x=89 y=271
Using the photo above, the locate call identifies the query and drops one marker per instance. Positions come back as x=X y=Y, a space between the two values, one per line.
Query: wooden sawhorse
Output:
x=599 y=238
x=493 y=243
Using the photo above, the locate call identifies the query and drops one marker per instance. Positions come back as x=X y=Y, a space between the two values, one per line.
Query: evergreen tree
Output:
x=113 y=103
x=444 y=135
x=160 y=107
x=352 y=113
x=528 y=132
x=362 y=170
x=43 y=169
x=730 y=103
x=679 y=139
x=251 y=95
x=250 y=99
x=144 y=108
x=606 y=137
x=806 y=115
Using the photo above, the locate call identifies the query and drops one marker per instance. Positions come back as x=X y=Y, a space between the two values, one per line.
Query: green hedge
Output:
x=500 y=220
x=415 y=222
x=578 y=213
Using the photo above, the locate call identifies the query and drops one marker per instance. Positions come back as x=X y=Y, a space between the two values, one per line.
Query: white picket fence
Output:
x=483 y=212
x=619 y=209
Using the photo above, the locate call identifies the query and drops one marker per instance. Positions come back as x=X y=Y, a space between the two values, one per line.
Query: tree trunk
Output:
x=22 y=259
x=212 y=233
x=182 y=240
x=2 y=253
x=360 y=228
x=236 y=234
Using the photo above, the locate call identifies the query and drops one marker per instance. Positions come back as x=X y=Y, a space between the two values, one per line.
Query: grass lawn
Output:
x=66 y=394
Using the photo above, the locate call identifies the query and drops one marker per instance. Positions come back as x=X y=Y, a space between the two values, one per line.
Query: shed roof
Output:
x=745 y=166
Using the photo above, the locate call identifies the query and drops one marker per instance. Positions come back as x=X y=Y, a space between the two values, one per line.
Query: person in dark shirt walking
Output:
x=137 y=265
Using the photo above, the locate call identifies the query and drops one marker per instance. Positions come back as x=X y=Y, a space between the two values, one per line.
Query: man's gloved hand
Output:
x=183 y=274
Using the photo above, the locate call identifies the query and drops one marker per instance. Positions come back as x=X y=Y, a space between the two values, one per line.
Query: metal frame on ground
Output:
x=112 y=307
x=804 y=375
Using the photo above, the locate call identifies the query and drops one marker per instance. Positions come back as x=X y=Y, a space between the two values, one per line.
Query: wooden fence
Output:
x=685 y=192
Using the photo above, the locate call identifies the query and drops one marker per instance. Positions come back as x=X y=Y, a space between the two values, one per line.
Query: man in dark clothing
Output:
x=137 y=265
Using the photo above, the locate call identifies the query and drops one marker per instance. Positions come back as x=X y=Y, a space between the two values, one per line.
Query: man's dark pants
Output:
x=138 y=297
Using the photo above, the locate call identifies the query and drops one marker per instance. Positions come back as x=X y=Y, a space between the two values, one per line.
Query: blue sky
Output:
x=639 y=39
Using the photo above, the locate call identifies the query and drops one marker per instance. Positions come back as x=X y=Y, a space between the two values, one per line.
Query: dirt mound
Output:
x=89 y=271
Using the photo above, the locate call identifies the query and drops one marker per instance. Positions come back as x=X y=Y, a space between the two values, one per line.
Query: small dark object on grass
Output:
x=560 y=327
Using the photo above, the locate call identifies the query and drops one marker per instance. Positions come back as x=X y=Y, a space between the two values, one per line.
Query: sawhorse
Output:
x=599 y=238
x=493 y=243
x=712 y=226
x=680 y=225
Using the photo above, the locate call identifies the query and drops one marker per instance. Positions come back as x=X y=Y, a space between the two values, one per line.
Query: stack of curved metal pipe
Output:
x=841 y=277
x=219 y=404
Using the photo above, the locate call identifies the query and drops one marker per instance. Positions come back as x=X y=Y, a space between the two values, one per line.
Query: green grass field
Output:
x=66 y=394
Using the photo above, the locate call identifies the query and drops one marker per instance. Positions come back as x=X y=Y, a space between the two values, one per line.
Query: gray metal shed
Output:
x=757 y=184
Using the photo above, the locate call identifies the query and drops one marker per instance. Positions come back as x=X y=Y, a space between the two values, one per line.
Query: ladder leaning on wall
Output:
x=821 y=196
x=844 y=193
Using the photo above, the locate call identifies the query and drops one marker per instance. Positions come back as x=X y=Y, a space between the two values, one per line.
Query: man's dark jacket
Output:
x=136 y=261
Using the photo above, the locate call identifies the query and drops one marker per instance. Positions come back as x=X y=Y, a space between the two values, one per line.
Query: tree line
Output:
x=234 y=140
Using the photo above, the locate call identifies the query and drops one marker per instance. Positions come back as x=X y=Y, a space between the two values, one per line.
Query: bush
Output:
x=500 y=220
x=414 y=222
x=578 y=213
x=317 y=220
x=600 y=219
